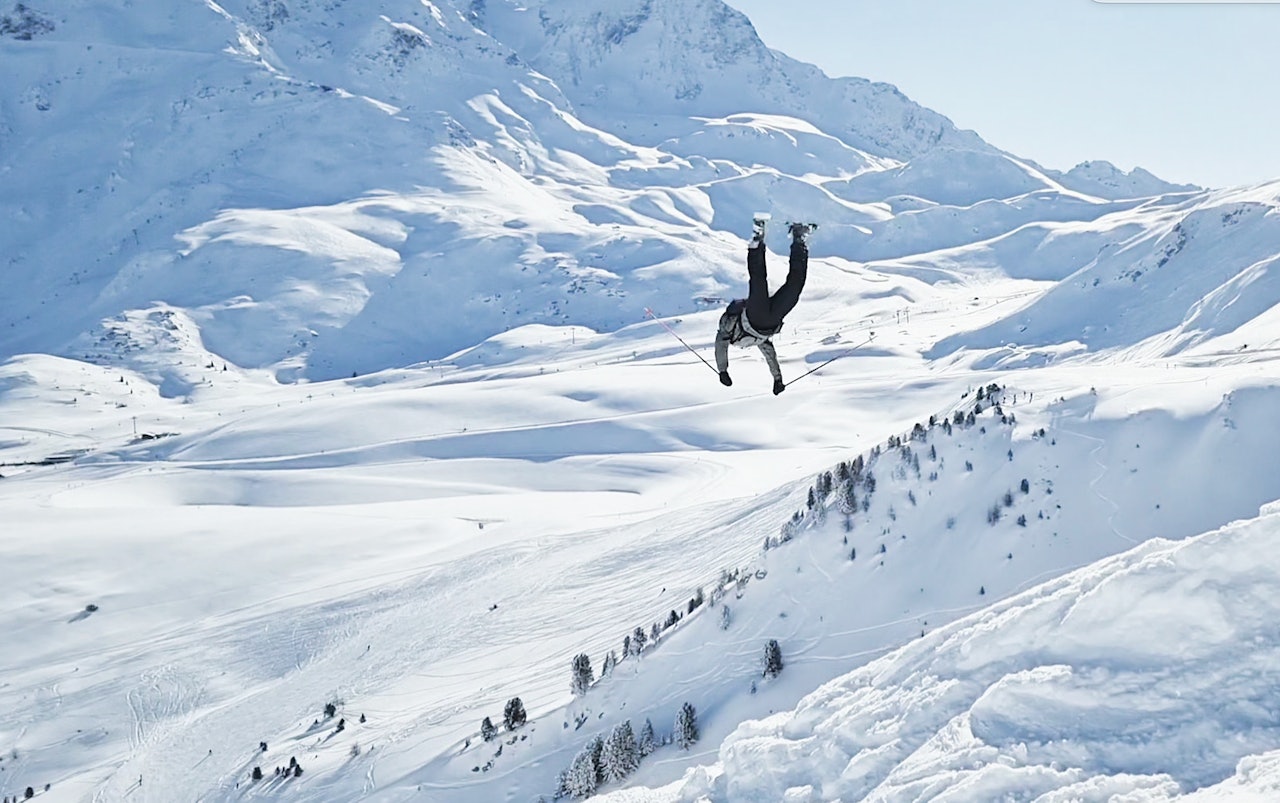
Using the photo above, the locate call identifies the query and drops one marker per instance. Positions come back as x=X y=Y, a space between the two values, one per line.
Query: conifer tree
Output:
x=487 y=730
x=562 y=783
x=848 y=500
x=513 y=716
x=772 y=659
x=621 y=755
x=580 y=780
x=596 y=747
x=583 y=676
x=638 y=639
x=646 y=743
x=686 y=732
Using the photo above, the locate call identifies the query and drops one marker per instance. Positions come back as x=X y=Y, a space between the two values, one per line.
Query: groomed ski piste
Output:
x=317 y=456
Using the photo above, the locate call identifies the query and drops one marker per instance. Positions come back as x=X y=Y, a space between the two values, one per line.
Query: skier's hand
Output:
x=724 y=379
x=778 y=387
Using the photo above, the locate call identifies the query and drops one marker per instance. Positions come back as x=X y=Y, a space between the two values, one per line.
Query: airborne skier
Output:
x=757 y=318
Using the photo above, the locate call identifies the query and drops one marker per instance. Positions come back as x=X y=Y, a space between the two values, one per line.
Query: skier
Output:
x=753 y=320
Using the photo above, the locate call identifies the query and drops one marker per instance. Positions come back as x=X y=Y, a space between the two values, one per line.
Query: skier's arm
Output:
x=771 y=357
x=722 y=346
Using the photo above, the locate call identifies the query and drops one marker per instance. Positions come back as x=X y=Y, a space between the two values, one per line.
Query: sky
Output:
x=1185 y=90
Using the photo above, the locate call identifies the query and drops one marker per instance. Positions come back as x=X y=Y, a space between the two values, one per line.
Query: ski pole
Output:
x=649 y=312
x=844 y=353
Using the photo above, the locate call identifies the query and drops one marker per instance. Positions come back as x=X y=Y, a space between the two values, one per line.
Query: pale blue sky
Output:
x=1189 y=91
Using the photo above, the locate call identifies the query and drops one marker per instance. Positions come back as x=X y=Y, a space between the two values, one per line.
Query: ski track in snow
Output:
x=1093 y=484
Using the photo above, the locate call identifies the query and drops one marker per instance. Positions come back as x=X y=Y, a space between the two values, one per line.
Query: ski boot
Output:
x=800 y=231
x=759 y=221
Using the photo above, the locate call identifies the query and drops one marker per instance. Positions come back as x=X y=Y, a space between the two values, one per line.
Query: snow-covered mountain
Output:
x=332 y=421
x=325 y=176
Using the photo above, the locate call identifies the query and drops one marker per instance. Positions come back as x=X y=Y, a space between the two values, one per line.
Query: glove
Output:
x=724 y=379
x=778 y=387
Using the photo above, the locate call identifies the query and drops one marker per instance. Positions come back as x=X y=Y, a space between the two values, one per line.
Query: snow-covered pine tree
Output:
x=686 y=731
x=627 y=649
x=699 y=597
x=583 y=676
x=772 y=659
x=580 y=779
x=596 y=748
x=638 y=639
x=610 y=661
x=513 y=715
x=726 y=616
x=655 y=633
x=646 y=744
x=621 y=755
x=848 y=500
x=487 y=730
x=562 y=783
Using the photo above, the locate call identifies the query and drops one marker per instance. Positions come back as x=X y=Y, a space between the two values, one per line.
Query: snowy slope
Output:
x=1198 y=279
x=1142 y=677
x=547 y=475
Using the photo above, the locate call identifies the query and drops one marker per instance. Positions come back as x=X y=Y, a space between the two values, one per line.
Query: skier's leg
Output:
x=757 y=287
x=788 y=294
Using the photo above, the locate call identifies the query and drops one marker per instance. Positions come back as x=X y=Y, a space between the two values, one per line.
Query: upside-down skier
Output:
x=753 y=320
